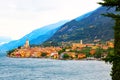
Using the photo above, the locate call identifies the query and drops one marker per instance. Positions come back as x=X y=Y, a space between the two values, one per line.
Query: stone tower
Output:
x=81 y=42
x=26 y=45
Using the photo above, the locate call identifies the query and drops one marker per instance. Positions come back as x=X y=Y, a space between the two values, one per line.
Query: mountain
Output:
x=43 y=37
x=35 y=37
x=4 y=39
x=88 y=28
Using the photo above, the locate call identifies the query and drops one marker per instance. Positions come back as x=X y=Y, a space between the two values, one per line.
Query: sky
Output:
x=20 y=17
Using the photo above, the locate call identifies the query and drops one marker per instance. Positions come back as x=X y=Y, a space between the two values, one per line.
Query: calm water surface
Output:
x=47 y=69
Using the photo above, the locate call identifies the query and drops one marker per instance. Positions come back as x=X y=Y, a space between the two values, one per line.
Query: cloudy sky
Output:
x=19 y=17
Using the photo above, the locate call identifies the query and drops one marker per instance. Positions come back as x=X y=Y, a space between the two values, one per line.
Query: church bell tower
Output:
x=27 y=44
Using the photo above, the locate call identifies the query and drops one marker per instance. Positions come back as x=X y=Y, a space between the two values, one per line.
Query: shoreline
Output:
x=85 y=59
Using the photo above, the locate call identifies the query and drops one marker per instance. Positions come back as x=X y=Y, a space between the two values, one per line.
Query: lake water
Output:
x=47 y=69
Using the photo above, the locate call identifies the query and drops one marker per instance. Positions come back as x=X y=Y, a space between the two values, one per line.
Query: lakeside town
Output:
x=75 y=51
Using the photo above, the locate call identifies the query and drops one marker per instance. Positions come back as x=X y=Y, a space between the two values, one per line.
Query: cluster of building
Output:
x=57 y=52
x=108 y=44
x=35 y=52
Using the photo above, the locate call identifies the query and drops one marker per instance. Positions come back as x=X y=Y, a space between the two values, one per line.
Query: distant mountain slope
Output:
x=35 y=37
x=92 y=26
x=4 y=39
x=40 y=39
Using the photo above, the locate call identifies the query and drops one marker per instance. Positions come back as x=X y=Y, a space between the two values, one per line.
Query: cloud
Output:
x=19 y=17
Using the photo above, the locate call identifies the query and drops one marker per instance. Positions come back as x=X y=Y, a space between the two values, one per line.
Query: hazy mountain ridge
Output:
x=86 y=27
x=35 y=37
x=4 y=39
x=94 y=26
x=44 y=37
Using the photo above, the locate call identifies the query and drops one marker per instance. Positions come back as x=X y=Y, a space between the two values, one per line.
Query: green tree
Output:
x=115 y=59
x=43 y=54
x=61 y=51
x=110 y=53
x=98 y=53
x=86 y=50
x=10 y=51
x=66 y=56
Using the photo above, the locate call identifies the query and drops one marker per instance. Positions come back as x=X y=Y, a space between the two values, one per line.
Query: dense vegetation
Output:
x=114 y=58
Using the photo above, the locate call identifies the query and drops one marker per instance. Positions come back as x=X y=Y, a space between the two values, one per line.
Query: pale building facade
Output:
x=27 y=45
